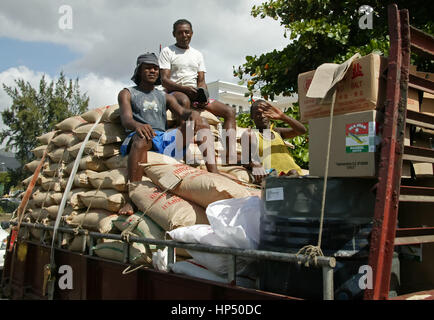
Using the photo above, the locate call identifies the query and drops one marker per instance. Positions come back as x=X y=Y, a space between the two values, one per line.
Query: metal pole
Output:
x=170 y=255
x=327 y=278
x=232 y=268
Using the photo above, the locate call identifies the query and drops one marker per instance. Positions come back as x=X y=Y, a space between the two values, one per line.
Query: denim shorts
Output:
x=164 y=142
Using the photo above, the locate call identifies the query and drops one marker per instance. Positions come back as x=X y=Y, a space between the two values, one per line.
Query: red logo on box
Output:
x=361 y=128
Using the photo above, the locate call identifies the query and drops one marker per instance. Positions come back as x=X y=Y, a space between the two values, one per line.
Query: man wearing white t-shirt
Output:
x=182 y=70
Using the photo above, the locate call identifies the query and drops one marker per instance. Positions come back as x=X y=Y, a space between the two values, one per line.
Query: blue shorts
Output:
x=164 y=142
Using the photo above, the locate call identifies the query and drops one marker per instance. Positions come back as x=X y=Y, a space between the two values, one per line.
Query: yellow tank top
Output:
x=277 y=155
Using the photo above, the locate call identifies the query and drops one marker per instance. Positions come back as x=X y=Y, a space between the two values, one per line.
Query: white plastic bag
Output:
x=159 y=260
x=204 y=234
x=236 y=221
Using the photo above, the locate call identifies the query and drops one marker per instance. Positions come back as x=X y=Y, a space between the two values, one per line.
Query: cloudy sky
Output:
x=108 y=35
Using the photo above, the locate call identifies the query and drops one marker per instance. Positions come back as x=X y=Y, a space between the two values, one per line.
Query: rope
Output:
x=65 y=195
x=312 y=252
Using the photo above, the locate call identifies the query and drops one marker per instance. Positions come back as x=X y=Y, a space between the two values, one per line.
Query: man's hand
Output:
x=270 y=111
x=145 y=131
x=258 y=172
x=191 y=93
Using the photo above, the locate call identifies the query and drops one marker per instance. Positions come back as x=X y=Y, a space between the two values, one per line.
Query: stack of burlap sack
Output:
x=100 y=187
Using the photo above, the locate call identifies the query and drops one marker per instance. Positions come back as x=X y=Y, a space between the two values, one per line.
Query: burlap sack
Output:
x=94 y=148
x=113 y=179
x=96 y=220
x=50 y=183
x=39 y=196
x=145 y=229
x=170 y=211
x=38 y=152
x=104 y=133
x=52 y=211
x=198 y=186
x=65 y=139
x=46 y=137
x=88 y=163
x=27 y=181
x=210 y=118
x=93 y=115
x=120 y=161
x=37 y=214
x=31 y=166
x=36 y=234
x=112 y=114
x=76 y=244
x=238 y=172
x=54 y=169
x=114 y=250
x=81 y=180
x=107 y=199
x=59 y=154
x=70 y=123
x=74 y=201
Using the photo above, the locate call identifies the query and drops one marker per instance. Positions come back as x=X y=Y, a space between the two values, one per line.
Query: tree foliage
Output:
x=35 y=112
x=321 y=31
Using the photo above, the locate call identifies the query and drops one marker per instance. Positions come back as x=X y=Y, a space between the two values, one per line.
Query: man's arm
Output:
x=275 y=113
x=127 y=120
x=201 y=80
x=185 y=114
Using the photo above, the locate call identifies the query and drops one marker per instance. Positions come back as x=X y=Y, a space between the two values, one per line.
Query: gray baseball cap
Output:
x=149 y=58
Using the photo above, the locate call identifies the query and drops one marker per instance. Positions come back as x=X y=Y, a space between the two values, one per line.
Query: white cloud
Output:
x=101 y=90
x=110 y=34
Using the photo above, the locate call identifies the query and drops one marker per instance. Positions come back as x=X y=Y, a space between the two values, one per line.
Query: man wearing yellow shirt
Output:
x=269 y=149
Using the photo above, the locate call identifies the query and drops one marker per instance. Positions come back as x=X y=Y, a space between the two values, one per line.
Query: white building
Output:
x=233 y=95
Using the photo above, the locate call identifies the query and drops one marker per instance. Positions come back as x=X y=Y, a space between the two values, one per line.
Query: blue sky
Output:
x=40 y=56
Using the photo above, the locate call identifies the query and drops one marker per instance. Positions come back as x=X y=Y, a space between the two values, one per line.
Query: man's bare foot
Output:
x=127 y=209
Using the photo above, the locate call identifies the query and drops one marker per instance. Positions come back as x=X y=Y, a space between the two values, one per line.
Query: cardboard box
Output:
x=361 y=89
x=427 y=105
x=355 y=137
x=422 y=169
x=413 y=99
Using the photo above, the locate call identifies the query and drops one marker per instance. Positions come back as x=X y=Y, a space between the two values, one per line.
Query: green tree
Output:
x=320 y=31
x=35 y=112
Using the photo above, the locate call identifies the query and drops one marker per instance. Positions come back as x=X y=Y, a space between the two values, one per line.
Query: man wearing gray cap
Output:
x=143 y=115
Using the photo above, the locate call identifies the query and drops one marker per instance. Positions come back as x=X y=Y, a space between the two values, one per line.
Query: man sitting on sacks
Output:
x=267 y=150
x=143 y=115
x=183 y=76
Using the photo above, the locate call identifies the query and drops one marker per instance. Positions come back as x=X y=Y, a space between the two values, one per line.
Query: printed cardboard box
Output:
x=413 y=100
x=362 y=88
x=354 y=141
